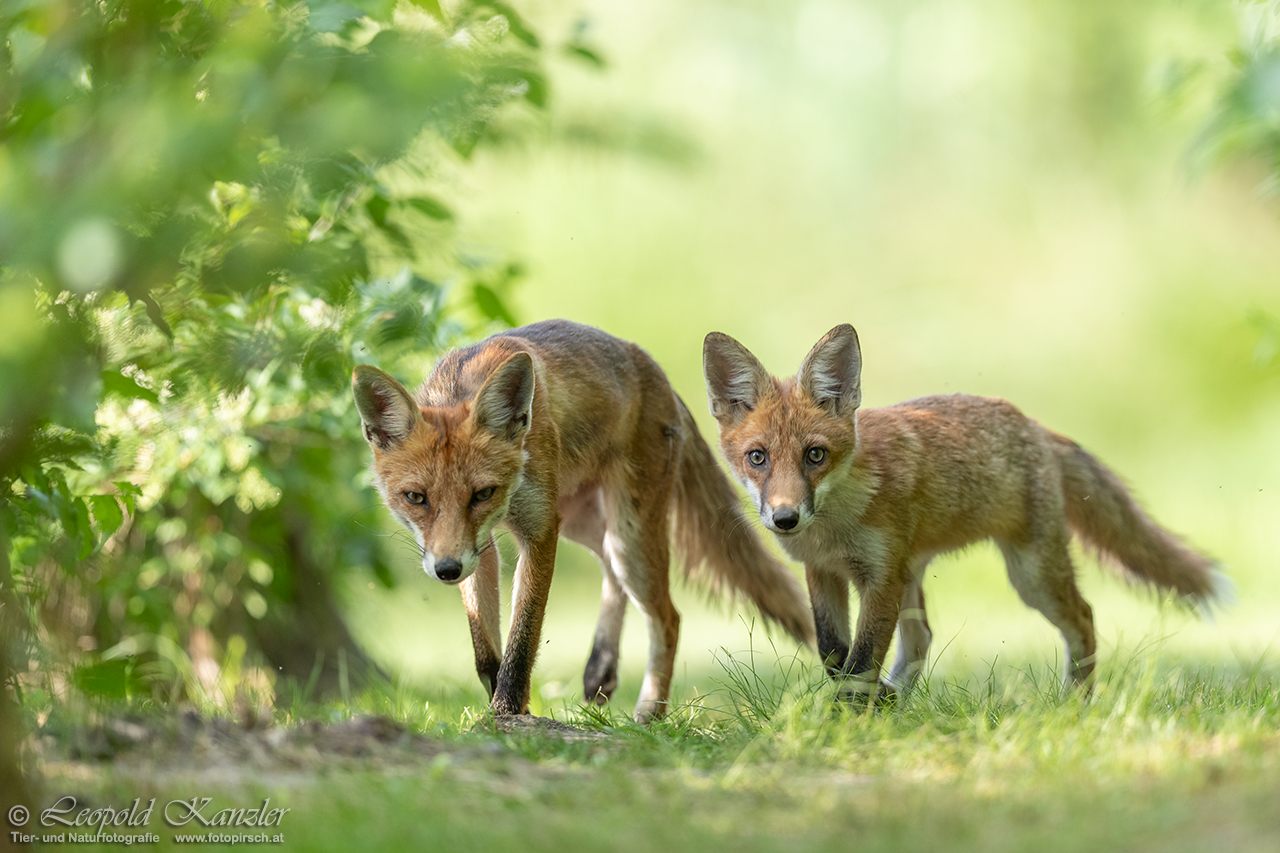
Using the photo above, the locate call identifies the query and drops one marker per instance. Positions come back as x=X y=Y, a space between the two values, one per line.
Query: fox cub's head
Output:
x=448 y=472
x=789 y=441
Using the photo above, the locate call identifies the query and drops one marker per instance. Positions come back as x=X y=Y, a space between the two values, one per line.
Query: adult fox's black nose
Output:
x=448 y=569
x=786 y=518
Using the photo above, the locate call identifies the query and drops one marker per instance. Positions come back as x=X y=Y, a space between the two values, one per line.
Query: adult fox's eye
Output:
x=815 y=455
x=482 y=495
x=757 y=457
x=415 y=498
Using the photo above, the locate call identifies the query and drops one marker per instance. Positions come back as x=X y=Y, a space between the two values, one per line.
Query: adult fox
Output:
x=871 y=496
x=560 y=429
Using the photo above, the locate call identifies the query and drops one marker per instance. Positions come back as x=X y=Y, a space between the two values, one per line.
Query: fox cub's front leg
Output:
x=829 y=597
x=877 y=617
x=854 y=666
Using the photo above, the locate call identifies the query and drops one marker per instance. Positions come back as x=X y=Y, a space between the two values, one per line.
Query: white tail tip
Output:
x=1222 y=595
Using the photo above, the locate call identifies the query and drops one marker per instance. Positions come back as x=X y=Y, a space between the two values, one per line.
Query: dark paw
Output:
x=599 y=692
x=600 y=679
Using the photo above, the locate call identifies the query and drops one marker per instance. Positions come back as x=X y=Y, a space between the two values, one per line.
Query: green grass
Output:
x=1160 y=758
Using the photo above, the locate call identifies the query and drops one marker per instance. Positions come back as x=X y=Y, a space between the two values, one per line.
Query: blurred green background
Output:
x=1005 y=199
x=1067 y=204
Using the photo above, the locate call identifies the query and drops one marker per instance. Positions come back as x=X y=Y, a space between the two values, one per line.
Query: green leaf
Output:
x=378 y=207
x=586 y=54
x=490 y=304
x=107 y=514
x=430 y=207
x=105 y=679
x=397 y=236
x=83 y=529
x=383 y=573
x=129 y=493
x=432 y=7
x=537 y=91
x=115 y=382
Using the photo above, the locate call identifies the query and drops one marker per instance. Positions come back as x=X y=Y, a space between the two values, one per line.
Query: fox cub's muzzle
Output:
x=786 y=519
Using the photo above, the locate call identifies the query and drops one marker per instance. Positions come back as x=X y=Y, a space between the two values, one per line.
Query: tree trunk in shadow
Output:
x=311 y=645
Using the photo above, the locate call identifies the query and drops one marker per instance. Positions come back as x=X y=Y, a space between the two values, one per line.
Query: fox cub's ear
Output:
x=736 y=380
x=386 y=408
x=831 y=374
x=505 y=403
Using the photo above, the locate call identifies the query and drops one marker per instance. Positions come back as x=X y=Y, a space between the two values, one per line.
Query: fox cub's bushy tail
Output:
x=714 y=539
x=1103 y=513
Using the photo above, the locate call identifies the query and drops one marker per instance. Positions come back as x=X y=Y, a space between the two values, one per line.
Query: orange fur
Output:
x=560 y=429
x=871 y=496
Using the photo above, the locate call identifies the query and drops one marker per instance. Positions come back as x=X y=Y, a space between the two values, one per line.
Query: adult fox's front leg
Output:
x=528 y=606
x=480 y=597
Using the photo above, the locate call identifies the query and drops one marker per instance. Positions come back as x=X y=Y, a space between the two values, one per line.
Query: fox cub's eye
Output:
x=415 y=498
x=482 y=495
x=815 y=455
x=756 y=457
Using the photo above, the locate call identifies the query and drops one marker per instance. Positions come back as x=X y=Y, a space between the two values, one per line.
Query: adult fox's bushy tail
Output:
x=1103 y=513
x=714 y=539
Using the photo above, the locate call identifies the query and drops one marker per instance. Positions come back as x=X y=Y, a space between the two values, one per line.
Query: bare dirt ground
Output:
x=249 y=749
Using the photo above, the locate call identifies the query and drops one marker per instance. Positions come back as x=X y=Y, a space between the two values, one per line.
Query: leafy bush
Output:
x=208 y=214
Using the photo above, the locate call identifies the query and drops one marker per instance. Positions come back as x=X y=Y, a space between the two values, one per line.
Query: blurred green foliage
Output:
x=1246 y=125
x=209 y=212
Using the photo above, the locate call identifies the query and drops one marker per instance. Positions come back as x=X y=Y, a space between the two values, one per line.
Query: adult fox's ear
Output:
x=736 y=380
x=831 y=374
x=504 y=405
x=387 y=410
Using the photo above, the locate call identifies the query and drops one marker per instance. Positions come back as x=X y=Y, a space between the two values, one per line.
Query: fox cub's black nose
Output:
x=448 y=569
x=785 y=518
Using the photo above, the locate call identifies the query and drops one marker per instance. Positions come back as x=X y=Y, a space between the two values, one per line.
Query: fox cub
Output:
x=557 y=429
x=872 y=496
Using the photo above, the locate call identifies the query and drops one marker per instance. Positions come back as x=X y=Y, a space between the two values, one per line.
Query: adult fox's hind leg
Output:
x=637 y=541
x=584 y=523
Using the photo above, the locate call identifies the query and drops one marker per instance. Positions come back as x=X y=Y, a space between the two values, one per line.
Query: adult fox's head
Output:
x=448 y=472
x=791 y=441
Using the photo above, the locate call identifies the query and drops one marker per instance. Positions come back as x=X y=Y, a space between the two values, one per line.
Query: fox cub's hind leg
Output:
x=913 y=637
x=584 y=523
x=480 y=597
x=1041 y=572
